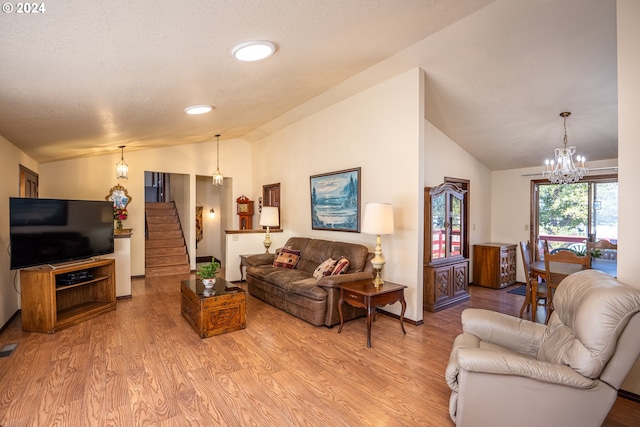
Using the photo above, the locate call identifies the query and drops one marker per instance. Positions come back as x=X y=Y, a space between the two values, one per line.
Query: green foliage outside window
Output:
x=564 y=209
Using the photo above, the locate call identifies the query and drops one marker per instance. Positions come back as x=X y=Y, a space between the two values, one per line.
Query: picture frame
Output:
x=335 y=201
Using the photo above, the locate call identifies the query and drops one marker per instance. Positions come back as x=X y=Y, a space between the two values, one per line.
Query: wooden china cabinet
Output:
x=446 y=267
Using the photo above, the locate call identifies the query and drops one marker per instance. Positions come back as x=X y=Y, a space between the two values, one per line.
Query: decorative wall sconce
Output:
x=212 y=213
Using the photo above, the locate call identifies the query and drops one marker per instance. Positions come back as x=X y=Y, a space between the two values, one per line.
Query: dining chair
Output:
x=558 y=266
x=542 y=246
x=607 y=249
x=536 y=289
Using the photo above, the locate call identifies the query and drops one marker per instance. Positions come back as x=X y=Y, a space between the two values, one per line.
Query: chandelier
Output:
x=218 y=179
x=563 y=170
x=122 y=170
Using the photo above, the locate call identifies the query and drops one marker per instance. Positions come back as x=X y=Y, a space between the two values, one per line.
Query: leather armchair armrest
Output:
x=339 y=279
x=506 y=363
x=260 y=259
x=516 y=334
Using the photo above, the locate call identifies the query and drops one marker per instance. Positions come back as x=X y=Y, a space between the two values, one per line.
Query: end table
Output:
x=363 y=294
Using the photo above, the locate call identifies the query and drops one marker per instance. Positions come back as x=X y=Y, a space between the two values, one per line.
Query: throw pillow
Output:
x=325 y=268
x=341 y=266
x=287 y=258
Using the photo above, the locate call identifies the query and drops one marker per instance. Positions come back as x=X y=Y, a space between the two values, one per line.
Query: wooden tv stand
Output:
x=48 y=308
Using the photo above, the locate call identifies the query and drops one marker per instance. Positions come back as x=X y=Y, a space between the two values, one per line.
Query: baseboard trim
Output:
x=628 y=395
x=396 y=316
x=11 y=319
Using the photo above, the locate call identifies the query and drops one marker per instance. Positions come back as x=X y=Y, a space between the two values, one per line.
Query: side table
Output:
x=363 y=294
x=243 y=263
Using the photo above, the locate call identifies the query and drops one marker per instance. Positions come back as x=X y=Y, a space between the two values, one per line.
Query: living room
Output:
x=381 y=128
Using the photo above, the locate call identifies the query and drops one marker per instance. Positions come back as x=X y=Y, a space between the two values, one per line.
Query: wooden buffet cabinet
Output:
x=48 y=305
x=446 y=268
x=494 y=265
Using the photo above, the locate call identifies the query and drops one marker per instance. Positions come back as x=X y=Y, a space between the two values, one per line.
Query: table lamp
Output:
x=269 y=218
x=378 y=220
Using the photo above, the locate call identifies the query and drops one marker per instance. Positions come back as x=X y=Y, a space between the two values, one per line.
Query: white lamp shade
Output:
x=378 y=218
x=269 y=216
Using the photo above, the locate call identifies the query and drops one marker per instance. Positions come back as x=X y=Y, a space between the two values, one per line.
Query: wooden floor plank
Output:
x=144 y=365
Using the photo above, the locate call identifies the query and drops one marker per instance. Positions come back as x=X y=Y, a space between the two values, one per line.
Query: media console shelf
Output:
x=49 y=308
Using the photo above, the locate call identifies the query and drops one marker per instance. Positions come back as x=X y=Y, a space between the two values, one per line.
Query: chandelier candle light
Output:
x=378 y=220
x=563 y=170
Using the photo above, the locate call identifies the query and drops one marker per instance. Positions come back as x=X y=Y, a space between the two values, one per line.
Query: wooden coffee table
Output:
x=214 y=311
x=364 y=294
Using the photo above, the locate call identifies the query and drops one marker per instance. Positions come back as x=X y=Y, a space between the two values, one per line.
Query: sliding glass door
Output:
x=567 y=215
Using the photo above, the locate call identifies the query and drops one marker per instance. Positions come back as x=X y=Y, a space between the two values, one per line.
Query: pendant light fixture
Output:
x=218 y=179
x=563 y=170
x=122 y=170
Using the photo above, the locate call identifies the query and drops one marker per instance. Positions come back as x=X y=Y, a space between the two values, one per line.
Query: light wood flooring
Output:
x=143 y=365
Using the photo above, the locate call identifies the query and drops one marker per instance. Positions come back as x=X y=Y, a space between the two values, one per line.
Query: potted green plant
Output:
x=207 y=273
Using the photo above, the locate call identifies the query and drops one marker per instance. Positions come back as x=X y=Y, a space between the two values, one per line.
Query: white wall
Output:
x=444 y=158
x=628 y=12
x=92 y=178
x=212 y=233
x=10 y=160
x=378 y=130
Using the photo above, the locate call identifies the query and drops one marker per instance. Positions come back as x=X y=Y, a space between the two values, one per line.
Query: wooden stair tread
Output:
x=165 y=248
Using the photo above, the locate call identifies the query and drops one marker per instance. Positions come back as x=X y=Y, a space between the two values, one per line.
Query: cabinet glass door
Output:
x=455 y=236
x=444 y=229
x=438 y=227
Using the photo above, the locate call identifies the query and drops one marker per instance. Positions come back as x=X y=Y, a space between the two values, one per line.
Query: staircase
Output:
x=165 y=248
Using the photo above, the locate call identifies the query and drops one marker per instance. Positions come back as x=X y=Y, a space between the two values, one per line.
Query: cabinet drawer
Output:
x=351 y=297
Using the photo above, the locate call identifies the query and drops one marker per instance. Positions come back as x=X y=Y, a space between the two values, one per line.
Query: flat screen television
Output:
x=50 y=231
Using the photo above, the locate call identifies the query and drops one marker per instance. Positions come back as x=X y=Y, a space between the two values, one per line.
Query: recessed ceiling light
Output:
x=253 y=50
x=198 y=109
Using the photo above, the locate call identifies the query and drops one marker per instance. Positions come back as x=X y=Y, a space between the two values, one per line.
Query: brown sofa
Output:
x=298 y=292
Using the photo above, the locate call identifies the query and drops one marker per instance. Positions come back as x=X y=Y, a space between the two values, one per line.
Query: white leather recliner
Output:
x=506 y=371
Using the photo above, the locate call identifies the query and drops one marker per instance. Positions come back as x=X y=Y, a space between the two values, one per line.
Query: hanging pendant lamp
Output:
x=122 y=170
x=563 y=170
x=218 y=179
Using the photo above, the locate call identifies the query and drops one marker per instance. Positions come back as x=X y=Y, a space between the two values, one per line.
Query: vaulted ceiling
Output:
x=82 y=78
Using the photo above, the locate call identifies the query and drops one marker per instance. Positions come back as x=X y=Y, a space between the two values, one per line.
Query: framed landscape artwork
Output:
x=335 y=201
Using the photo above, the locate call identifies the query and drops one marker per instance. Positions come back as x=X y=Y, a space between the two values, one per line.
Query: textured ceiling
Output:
x=83 y=78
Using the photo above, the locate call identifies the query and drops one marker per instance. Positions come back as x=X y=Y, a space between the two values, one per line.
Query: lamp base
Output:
x=378 y=282
x=267 y=241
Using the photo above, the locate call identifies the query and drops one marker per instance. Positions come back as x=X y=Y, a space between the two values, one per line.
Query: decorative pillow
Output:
x=325 y=268
x=287 y=258
x=341 y=266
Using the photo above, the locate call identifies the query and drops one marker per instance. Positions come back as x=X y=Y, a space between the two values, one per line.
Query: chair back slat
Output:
x=563 y=263
x=542 y=247
x=607 y=249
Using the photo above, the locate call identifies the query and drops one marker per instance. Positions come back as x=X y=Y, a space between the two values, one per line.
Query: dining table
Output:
x=609 y=266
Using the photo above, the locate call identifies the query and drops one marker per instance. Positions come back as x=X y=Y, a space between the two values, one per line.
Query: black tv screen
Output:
x=49 y=231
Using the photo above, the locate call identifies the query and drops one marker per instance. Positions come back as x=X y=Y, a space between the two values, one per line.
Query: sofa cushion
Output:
x=287 y=258
x=280 y=277
x=316 y=251
x=307 y=288
x=355 y=253
x=325 y=268
x=341 y=267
